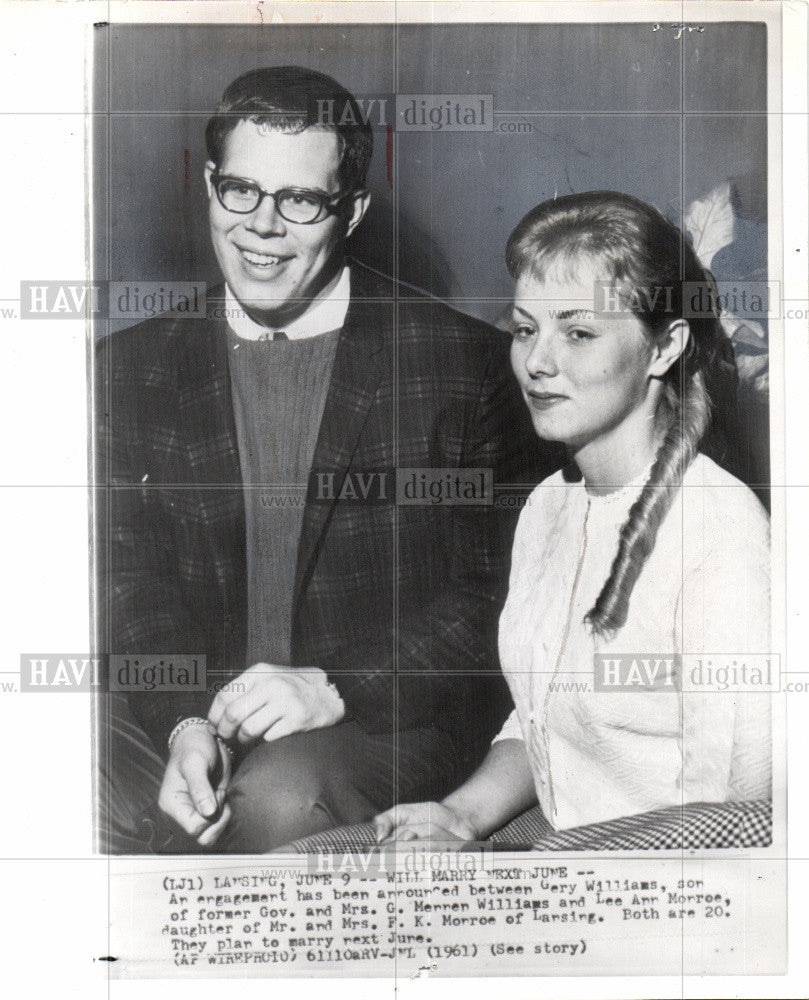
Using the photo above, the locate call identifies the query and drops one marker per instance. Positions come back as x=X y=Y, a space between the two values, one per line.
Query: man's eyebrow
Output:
x=313 y=190
x=287 y=187
x=574 y=313
x=239 y=177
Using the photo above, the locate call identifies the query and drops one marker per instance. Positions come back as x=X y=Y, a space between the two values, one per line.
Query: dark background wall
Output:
x=610 y=106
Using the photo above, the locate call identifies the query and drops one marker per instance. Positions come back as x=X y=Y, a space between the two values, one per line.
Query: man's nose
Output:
x=265 y=220
x=541 y=359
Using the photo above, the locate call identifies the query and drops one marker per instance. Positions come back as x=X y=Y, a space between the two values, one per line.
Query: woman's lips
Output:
x=544 y=400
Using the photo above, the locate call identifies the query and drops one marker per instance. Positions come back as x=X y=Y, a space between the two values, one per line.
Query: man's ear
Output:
x=360 y=201
x=669 y=347
x=210 y=168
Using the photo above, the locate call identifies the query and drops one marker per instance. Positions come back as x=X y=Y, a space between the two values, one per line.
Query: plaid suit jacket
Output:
x=399 y=604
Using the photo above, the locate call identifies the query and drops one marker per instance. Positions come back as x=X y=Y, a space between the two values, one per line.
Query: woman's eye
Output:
x=522 y=332
x=577 y=333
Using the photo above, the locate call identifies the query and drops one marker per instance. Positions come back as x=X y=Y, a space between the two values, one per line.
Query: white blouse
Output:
x=599 y=755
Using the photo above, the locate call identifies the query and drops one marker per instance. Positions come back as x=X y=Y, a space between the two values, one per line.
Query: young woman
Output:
x=643 y=548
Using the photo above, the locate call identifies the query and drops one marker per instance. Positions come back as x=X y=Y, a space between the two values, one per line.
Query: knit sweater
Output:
x=279 y=394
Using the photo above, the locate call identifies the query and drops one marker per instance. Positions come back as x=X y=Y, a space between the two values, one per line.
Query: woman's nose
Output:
x=540 y=359
x=266 y=220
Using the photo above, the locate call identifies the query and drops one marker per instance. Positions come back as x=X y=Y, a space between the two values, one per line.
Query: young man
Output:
x=349 y=635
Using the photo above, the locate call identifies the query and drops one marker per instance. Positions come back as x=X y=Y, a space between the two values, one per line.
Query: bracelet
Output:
x=185 y=724
x=196 y=721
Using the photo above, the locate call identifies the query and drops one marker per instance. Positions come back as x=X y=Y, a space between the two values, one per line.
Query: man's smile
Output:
x=265 y=261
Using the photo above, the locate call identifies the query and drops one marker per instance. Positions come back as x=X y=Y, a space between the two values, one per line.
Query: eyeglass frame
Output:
x=328 y=204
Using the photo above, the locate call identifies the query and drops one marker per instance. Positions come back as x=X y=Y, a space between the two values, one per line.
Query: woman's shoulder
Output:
x=722 y=507
x=705 y=474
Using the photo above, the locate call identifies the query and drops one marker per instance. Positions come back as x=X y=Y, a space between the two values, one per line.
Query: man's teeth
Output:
x=263 y=259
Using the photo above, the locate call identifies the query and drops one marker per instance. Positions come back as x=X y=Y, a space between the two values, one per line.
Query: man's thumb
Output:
x=195 y=772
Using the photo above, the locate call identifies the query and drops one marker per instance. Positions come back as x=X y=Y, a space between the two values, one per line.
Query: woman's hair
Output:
x=652 y=271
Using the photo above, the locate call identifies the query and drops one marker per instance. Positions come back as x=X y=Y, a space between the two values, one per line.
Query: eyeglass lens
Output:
x=294 y=206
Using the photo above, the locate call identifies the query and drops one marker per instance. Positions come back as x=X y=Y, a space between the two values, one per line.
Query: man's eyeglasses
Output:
x=294 y=204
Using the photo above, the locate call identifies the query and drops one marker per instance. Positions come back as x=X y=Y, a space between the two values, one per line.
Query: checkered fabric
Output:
x=698 y=825
x=398 y=603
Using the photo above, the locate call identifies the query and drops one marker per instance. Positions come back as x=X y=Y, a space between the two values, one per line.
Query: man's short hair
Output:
x=291 y=99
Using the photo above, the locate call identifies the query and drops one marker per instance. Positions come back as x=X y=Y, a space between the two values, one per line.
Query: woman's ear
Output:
x=669 y=347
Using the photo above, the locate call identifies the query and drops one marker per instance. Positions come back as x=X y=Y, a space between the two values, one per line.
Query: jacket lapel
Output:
x=206 y=421
x=207 y=430
x=356 y=372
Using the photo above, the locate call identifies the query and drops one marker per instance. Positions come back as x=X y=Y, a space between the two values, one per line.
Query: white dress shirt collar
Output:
x=322 y=316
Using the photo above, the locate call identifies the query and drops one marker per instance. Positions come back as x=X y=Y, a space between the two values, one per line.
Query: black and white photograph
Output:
x=443 y=595
x=357 y=642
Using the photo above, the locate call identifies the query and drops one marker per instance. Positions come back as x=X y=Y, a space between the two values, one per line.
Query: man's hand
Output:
x=187 y=795
x=271 y=701
x=423 y=821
